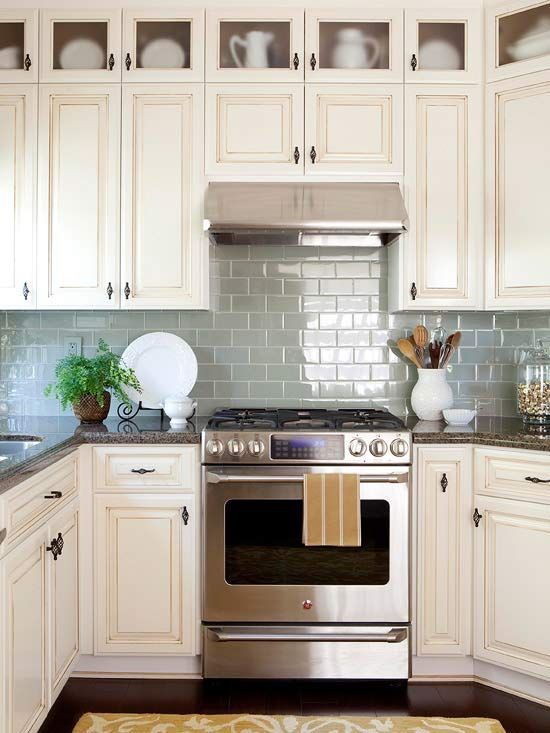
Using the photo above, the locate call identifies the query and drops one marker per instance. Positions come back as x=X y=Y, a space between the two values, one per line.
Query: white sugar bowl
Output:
x=179 y=409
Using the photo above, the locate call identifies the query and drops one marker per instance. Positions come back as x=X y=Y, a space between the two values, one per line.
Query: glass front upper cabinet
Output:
x=18 y=46
x=518 y=40
x=163 y=45
x=443 y=45
x=78 y=45
x=358 y=45
x=255 y=45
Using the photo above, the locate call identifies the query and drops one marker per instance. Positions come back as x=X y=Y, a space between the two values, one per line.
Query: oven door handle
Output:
x=394 y=636
x=216 y=478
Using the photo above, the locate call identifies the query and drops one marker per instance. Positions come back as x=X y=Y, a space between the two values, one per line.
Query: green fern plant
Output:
x=77 y=376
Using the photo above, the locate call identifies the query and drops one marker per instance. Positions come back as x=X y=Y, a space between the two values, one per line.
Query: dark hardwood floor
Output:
x=293 y=697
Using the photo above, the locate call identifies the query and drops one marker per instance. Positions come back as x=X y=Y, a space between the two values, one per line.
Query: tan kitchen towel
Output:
x=332 y=510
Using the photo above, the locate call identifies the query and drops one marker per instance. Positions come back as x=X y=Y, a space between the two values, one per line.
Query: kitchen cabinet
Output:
x=443 y=479
x=145 y=548
x=255 y=44
x=360 y=45
x=18 y=123
x=78 y=196
x=18 y=46
x=163 y=45
x=354 y=128
x=517 y=38
x=80 y=46
x=437 y=264
x=163 y=250
x=254 y=129
x=443 y=45
x=518 y=191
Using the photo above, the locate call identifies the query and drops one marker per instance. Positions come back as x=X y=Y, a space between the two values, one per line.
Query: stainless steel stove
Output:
x=273 y=607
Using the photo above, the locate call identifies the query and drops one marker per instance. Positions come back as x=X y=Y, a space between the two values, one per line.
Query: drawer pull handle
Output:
x=477 y=517
x=536 y=480
x=143 y=471
x=56 y=546
x=185 y=516
x=444 y=482
x=54 y=495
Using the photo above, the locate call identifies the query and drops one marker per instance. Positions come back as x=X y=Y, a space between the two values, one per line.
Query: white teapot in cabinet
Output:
x=256 y=45
x=353 y=50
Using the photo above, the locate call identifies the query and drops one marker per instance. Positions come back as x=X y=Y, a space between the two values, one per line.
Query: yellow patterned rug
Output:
x=244 y=723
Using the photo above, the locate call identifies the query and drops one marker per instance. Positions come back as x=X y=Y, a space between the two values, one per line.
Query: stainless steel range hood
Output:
x=314 y=214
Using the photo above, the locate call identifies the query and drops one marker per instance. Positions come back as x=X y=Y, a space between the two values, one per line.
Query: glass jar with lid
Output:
x=534 y=384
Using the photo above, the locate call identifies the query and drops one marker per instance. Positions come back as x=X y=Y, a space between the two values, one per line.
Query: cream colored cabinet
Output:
x=23 y=652
x=517 y=39
x=518 y=191
x=254 y=129
x=354 y=128
x=255 y=44
x=164 y=255
x=443 y=45
x=359 y=45
x=80 y=46
x=443 y=550
x=19 y=46
x=78 y=196
x=437 y=264
x=145 y=575
x=163 y=45
x=18 y=122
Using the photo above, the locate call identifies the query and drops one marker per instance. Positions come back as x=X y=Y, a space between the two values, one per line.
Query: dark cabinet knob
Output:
x=111 y=62
x=26 y=291
x=444 y=482
x=128 y=62
x=185 y=516
x=109 y=291
x=296 y=155
x=313 y=155
x=56 y=546
x=296 y=62
x=127 y=291
x=414 y=62
x=413 y=291
x=477 y=517
x=313 y=62
x=27 y=62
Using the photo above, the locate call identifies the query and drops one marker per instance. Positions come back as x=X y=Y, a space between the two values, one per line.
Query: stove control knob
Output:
x=357 y=447
x=399 y=447
x=235 y=447
x=378 y=448
x=256 y=447
x=214 y=447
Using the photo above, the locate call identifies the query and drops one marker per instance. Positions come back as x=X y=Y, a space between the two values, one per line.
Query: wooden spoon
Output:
x=421 y=336
x=408 y=350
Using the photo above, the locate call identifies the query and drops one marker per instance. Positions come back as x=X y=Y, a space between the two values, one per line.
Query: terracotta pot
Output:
x=88 y=409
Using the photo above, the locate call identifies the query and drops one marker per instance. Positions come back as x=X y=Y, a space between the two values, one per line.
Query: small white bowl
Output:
x=458 y=416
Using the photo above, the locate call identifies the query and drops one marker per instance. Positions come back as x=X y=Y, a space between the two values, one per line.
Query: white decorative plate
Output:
x=162 y=53
x=82 y=53
x=164 y=364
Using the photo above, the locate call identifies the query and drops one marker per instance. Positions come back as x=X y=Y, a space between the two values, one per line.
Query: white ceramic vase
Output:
x=431 y=394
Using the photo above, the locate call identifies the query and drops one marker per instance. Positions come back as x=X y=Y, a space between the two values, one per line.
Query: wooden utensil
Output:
x=421 y=336
x=409 y=351
x=435 y=350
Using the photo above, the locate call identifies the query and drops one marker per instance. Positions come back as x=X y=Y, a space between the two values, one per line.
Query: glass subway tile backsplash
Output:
x=287 y=327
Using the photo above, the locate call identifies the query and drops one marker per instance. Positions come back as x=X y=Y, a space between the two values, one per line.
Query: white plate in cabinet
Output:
x=19 y=46
x=354 y=45
x=512 y=593
x=254 y=129
x=255 y=44
x=80 y=46
x=518 y=38
x=436 y=265
x=513 y=474
x=163 y=45
x=164 y=255
x=518 y=191
x=354 y=128
x=443 y=45
x=146 y=467
x=18 y=124
x=145 y=574
x=78 y=196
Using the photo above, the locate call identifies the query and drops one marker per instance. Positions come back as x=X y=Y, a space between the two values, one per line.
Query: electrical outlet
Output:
x=73 y=345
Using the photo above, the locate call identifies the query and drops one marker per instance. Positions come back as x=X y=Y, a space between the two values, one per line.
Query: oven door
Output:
x=257 y=569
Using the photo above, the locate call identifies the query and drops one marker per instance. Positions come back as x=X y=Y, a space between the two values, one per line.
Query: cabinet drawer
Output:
x=119 y=468
x=34 y=499
x=513 y=474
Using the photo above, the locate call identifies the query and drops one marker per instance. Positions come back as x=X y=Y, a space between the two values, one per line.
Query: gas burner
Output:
x=234 y=419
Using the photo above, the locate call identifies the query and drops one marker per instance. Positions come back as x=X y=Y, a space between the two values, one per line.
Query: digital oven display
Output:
x=306 y=447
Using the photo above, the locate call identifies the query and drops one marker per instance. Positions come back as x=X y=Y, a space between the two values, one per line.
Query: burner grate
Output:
x=299 y=419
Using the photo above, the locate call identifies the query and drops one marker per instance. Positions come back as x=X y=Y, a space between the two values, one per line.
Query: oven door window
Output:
x=263 y=546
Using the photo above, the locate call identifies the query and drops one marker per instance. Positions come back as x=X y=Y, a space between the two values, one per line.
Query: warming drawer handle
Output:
x=395 y=636
x=216 y=478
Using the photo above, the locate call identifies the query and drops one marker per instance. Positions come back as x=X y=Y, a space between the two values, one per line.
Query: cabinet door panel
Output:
x=18 y=121
x=254 y=129
x=78 y=237
x=518 y=119
x=19 y=45
x=142 y=542
x=512 y=545
x=354 y=128
x=163 y=247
